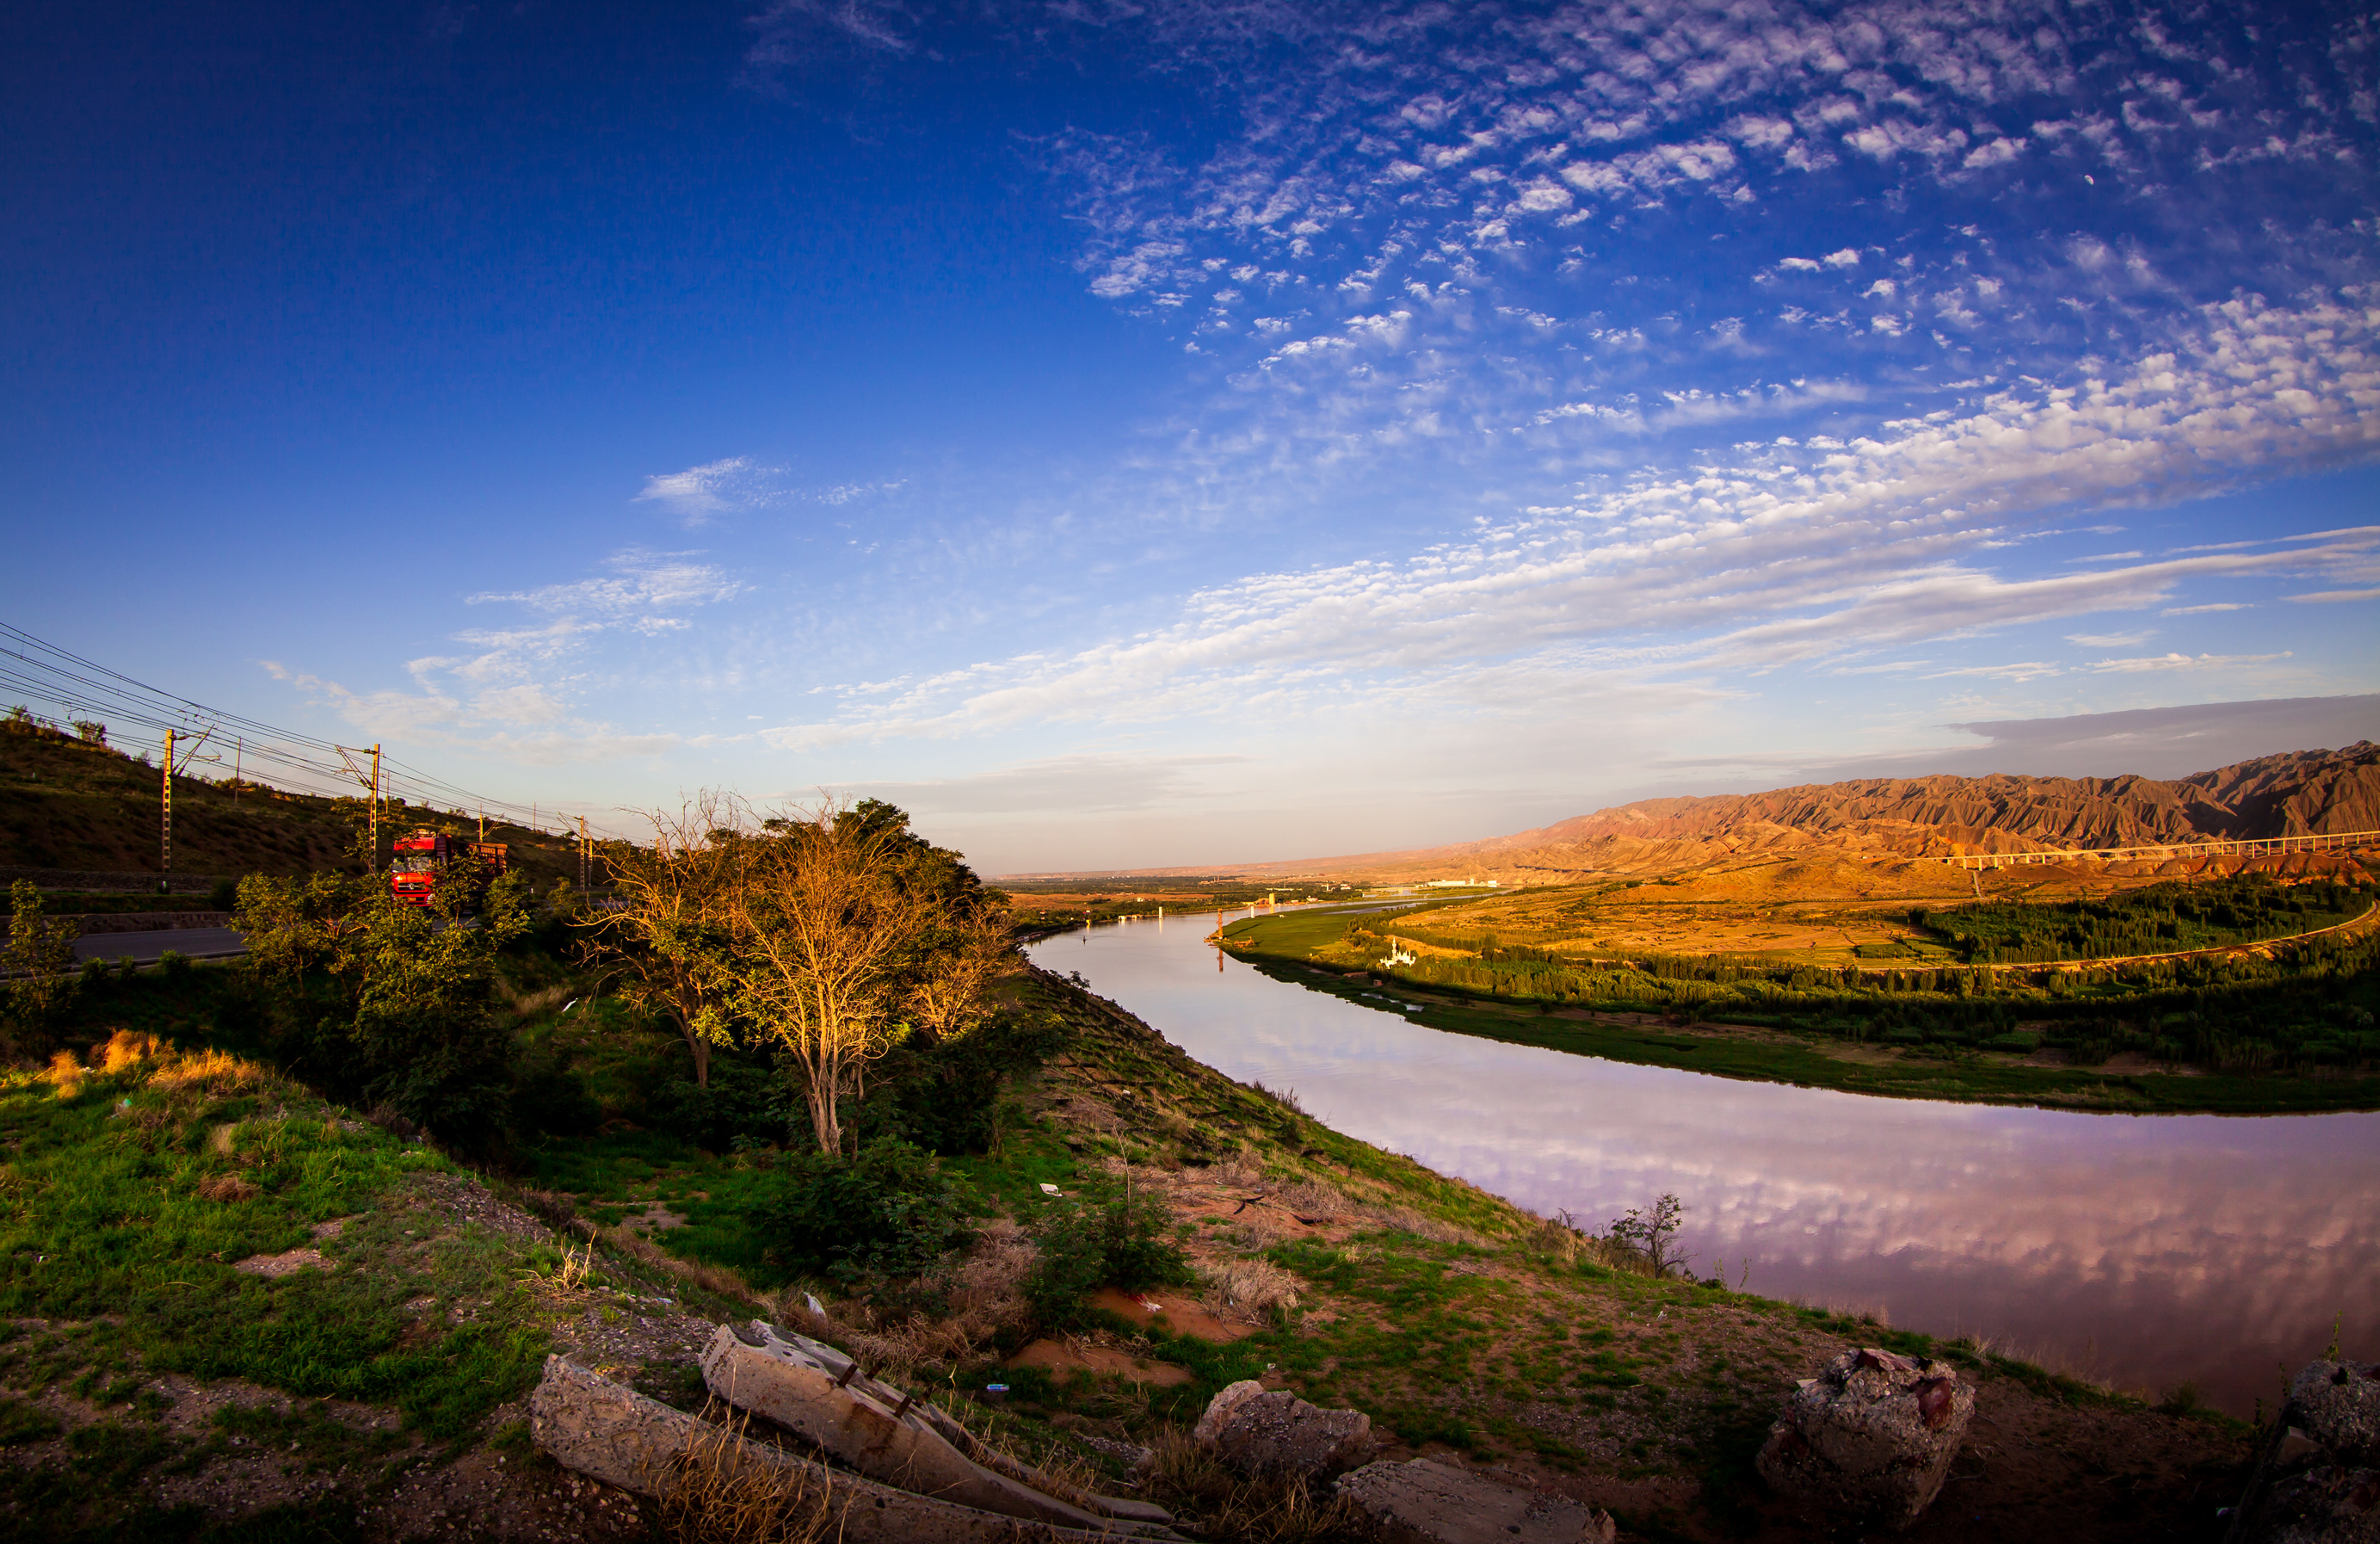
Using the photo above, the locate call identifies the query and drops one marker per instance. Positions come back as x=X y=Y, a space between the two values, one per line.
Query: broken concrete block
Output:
x=610 y=1433
x=1870 y=1437
x=1419 y=1501
x=2330 y=1504
x=819 y=1395
x=1260 y=1431
x=2337 y=1405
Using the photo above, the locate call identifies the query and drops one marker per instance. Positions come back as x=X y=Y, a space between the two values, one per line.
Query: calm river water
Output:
x=2148 y=1250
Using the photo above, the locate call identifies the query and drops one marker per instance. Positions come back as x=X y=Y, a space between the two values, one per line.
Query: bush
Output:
x=885 y=1211
x=945 y=1097
x=1120 y=1243
x=549 y=1097
x=742 y=1101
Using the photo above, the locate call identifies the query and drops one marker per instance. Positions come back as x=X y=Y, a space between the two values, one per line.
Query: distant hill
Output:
x=2297 y=793
x=66 y=804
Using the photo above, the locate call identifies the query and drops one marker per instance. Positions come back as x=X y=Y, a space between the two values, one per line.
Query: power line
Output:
x=81 y=689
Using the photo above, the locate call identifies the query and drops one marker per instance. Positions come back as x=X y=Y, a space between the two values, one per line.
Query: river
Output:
x=2147 y=1251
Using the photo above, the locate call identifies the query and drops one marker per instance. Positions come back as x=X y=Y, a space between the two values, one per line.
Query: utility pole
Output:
x=239 y=751
x=582 y=855
x=370 y=783
x=166 y=827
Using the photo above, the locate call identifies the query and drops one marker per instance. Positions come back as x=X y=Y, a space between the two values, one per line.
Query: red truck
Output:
x=424 y=861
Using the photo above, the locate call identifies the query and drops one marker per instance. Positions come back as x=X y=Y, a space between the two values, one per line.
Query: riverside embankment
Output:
x=2150 y=1251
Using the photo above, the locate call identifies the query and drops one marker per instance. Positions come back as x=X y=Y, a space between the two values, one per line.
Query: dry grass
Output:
x=1221 y=1505
x=1240 y=1172
x=1555 y=1239
x=527 y=1005
x=716 y=1279
x=715 y=1495
x=990 y=1294
x=1404 y=1218
x=1248 y=1289
x=128 y=1048
x=218 y=1074
x=228 y=1188
x=1285 y=1098
x=1313 y=1199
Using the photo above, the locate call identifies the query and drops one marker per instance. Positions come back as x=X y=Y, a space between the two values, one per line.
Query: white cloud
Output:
x=641 y=580
x=2321 y=597
x=1800 y=553
x=2187 y=662
x=1994 y=152
x=2211 y=606
x=2111 y=640
x=698 y=495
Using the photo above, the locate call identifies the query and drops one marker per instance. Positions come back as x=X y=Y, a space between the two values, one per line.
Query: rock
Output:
x=288 y=1263
x=1421 y=1502
x=814 y=1392
x=1871 y=1436
x=2332 y=1504
x=610 y=1433
x=2337 y=1405
x=1258 y=1432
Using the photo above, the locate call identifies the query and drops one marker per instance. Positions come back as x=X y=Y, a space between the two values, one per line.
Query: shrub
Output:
x=743 y=1100
x=886 y=1210
x=1120 y=1243
x=945 y=1096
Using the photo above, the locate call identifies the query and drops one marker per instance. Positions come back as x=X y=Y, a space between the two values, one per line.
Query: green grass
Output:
x=110 y=1240
x=1280 y=946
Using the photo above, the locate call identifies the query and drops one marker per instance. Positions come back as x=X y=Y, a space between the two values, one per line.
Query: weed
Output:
x=1270 y=1509
x=20 y=1422
x=716 y=1495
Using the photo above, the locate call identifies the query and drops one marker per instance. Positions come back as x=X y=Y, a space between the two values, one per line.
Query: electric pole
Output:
x=165 y=850
x=370 y=783
x=582 y=855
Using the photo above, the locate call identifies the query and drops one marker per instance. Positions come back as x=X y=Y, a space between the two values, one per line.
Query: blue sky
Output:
x=1164 y=432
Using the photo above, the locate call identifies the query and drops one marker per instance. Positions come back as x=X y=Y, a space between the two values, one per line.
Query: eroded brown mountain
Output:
x=2298 y=793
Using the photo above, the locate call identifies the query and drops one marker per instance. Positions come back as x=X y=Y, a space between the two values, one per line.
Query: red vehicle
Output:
x=424 y=861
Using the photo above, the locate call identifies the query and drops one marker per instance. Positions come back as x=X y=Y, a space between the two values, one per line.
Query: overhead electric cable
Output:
x=85 y=690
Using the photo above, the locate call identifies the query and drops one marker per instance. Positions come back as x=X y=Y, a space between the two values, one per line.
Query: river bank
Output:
x=2110 y=1244
x=1287 y=946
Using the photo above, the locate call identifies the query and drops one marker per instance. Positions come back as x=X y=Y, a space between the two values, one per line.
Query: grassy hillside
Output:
x=372 y=1391
x=65 y=805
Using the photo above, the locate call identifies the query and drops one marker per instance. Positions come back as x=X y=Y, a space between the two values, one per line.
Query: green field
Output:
x=2297 y=1037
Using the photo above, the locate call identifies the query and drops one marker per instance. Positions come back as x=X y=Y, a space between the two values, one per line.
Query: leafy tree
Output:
x=37 y=960
x=839 y=918
x=666 y=938
x=396 y=1001
x=1653 y=1233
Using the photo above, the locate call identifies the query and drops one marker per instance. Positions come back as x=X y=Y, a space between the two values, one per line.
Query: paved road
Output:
x=198 y=943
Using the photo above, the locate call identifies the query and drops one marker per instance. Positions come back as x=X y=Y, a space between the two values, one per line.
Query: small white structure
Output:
x=1397 y=955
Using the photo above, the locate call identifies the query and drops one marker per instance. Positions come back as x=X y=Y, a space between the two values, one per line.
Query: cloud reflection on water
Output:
x=2149 y=1250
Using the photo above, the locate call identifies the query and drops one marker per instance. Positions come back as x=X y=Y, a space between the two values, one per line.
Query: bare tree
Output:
x=829 y=935
x=667 y=934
